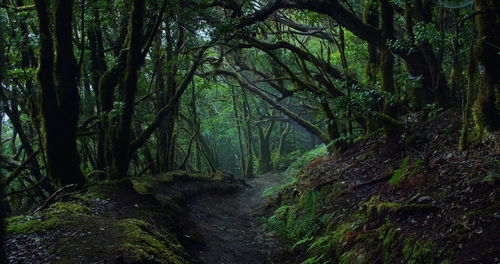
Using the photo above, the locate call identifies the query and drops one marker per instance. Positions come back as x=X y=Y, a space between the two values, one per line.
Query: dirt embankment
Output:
x=425 y=202
x=144 y=220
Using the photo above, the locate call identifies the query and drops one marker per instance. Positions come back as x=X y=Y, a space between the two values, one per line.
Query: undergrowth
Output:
x=296 y=224
x=324 y=238
x=299 y=161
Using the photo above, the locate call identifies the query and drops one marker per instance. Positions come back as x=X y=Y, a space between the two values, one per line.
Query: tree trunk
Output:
x=387 y=67
x=120 y=146
x=2 y=188
x=282 y=149
x=60 y=101
x=487 y=105
x=265 y=163
x=98 y=68
x=248 y=137
x=238 y=127
x=468 y=99
x=370 y=17
x=166 y=130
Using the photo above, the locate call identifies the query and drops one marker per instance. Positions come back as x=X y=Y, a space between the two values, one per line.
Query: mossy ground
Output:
x=127 y=221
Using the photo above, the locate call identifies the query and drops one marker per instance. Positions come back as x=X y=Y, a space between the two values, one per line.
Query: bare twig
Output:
x=54 y=197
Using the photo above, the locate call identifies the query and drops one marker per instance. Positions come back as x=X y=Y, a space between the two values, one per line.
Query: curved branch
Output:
x=141 y=139
x=311 y=128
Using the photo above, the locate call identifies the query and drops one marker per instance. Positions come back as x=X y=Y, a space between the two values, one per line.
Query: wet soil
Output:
x=229 y=228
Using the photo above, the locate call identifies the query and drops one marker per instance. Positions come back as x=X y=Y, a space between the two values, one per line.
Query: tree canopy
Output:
x=93 y=91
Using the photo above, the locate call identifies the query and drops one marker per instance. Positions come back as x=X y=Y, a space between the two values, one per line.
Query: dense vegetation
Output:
x=104 y=93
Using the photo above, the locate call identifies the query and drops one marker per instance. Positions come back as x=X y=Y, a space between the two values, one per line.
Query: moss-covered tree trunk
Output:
x=165 y=154
x=456 y=77
x=60 y=101
x=332 y=129
x=265 y=162
x=247 y=134
x=468 y=99
x=282 y=143
x=238 y=127
x=487 y=105
x=387 y=67
x=98 y=68
x=2 y=209
x=166 y=130
x=370 y=17
x=120 y=150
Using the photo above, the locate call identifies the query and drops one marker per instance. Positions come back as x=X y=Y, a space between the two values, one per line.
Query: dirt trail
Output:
x=228 y=225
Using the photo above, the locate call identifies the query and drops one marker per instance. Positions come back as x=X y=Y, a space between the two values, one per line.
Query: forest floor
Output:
x=228 y=224
x=176 y=218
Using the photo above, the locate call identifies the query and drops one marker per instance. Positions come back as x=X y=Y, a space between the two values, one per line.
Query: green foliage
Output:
x=282 y=162
x=404 y=171
x=343 y=240
x=491 y=177
x=272 y=190
x=398 y=173
x=432 y=110
x=297 y=224
x=306 y=158
x=426 y=32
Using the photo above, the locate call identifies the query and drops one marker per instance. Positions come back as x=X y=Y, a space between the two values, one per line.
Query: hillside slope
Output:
x=425 y=203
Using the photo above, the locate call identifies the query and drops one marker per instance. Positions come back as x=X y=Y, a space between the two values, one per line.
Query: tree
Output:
x=2 y=187
x=60 y=101
x=122 y=133
x=487 y=106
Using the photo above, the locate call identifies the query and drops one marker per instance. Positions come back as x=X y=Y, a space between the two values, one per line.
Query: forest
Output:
x=249 y=131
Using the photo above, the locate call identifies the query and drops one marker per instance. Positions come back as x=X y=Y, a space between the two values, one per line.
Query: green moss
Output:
x=27 y=224
x=130 y=240
x=68 y=208
x=57 y=215
x=144 y=186
x=355 y=255
x=83 y=198
x=330 y=193
x=490 y=210
x=380 y=210
x=143 y=244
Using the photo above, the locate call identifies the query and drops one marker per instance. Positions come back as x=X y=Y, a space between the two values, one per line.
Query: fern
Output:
x=297 y=224
x=320 y=243
x=313 y=260
x=302 y=241
x=272 y=190
x=397 y=175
